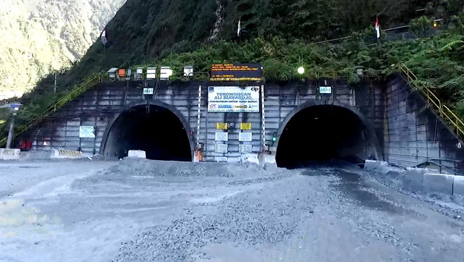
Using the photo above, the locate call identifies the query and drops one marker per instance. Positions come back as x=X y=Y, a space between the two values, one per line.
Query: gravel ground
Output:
x=136 y=210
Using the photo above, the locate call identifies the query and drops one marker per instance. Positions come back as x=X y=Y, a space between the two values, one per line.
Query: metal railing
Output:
x=53 y=108
x=446 y=114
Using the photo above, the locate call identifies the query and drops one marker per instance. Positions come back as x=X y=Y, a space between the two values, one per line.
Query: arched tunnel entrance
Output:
x=325 y=132
x=154 y=129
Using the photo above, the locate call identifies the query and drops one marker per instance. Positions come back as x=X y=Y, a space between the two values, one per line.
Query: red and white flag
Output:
x=104 y=37
x=377 y=27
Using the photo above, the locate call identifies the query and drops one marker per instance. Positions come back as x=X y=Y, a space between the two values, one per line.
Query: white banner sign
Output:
x=87 y=132
x=233 y=99
x=222 y=136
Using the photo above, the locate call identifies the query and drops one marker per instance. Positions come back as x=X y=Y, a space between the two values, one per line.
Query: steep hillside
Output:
x=42 y=36
x=147 y=29
x=275 y=33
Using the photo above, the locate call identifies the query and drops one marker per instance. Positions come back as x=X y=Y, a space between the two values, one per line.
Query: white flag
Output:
x=377 y=27
x=104 y=37
x=238 y=29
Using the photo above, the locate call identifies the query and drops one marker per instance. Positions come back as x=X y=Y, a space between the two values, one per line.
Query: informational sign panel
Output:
x=222 y=136
x=220 y=148
x=87 y=132
x=325 y=89
x=245 y=137
x=148 y=91
x=245 y=126
x=233 y=99
x=221 y=126
x=236 y=72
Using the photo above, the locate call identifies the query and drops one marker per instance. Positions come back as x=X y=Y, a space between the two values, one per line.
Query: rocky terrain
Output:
x=42 y=36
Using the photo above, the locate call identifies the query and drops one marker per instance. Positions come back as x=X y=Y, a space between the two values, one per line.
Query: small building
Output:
x=112 y=73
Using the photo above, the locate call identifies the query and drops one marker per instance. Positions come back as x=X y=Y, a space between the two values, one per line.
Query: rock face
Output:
x=41 y=36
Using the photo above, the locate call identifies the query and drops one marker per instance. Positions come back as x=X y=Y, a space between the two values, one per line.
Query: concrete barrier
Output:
x=438 y=183
x=36 y=155
x=66 y=154
x=267 y=161
x=458 y=185
x=417 y=180
x=413 y=179
x=137 y=154
x=9 y=154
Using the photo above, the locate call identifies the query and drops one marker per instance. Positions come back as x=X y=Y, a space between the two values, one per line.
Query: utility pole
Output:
x=11 y=131
x=14 y=108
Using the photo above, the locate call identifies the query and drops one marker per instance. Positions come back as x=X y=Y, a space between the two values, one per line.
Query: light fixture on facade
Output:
x=188 y=71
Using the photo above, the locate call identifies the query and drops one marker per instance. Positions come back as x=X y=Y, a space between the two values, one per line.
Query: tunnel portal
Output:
x=154 y=129
x=325 y=132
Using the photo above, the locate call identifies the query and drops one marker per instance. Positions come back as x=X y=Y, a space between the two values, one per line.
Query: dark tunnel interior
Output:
x=154 y=129
x=321 y=133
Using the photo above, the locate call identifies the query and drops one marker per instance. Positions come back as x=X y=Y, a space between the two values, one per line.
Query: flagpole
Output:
x=239 y=29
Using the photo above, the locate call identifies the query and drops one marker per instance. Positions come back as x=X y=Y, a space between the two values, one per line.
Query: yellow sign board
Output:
x=221 y=126
x=245 y=126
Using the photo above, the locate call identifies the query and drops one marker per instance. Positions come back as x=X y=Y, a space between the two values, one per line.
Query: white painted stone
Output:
x=250 y=158
x=137 y=154
x=270 y=159
x=267 y=161
x=9 y=154
x=438 y=183
x=458 y=186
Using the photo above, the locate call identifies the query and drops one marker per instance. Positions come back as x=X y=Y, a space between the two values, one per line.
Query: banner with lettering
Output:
x=233 y=99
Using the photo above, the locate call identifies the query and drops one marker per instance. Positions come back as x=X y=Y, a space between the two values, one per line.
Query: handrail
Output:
x=431 y=161
x=445 y=113
x=59 y=104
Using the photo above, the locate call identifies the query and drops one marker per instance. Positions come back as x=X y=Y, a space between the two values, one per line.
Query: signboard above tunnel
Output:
x=233 y=99
x=236 y=72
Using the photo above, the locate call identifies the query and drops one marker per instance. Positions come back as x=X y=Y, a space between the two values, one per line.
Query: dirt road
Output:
x=162 y=211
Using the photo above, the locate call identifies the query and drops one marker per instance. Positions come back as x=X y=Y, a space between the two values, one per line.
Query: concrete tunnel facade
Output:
x=311 y=132
x=379 y=120
x=315 y=132
x=154 y=127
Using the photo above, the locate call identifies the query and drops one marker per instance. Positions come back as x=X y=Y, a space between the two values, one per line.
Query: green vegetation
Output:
x=279 y=35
